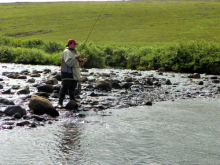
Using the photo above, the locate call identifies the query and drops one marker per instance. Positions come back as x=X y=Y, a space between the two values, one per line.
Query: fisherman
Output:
x=70 y=71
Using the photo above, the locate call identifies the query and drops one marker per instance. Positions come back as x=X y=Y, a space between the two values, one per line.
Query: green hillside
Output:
x=134 y=22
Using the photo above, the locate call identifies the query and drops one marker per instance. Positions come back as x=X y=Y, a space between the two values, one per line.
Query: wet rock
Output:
x=127 y=85
x=216 y=81
x=149 y=81
x=43 y=94
x=147 y=102
x=45 y=71
x=17 y=115
x=16 y=87
x=168 y=82
x=1 y=86
x=33 y=125
x=24 y=90
x=45 y=88
x=12 y=110
x=72 y=105
x=6 y=101
x=7 y=127
x=103 y=85
x=21 y=77
x=58 y=77
x=200 y=83
x=128 y=79
x=116 y=85
x=32 y=80
x=41 y=105
x=1 y=79
x=196 y=75
x=23 y=123
x=35 y=75
x=38 y=118
x=8 y=91
x=52 y=81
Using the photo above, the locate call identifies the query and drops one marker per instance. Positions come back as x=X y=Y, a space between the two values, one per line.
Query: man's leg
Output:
x=72 y=90
x=66 y=84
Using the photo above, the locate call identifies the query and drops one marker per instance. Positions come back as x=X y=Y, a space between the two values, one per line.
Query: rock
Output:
x=200 y=83
x=12 y=110
x=46 y=71
x=45 y=88
x=32 y=80
x=38 y=118
x=52 y=81
x=72 y=105
x=127 y=85
x=58 y=77
x=17 y=115
x=147 y=102
x=215 y=81
x=1 y=86
x=116 y=85
x=21 y=77
x=41 y=105
x=103 y=85
x=8 y=91
x=168 y=82
x=128 y=79
x=15 y=87
x=149 y=81
x=24 y=90
x=23 y=123
x=43 y=94
x=35 y=75
x=196 y=75
x=6 y=101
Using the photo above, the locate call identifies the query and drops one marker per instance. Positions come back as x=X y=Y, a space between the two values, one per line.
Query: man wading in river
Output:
x=70 y=71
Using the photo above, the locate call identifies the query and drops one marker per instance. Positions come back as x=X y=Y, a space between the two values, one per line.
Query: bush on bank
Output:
x=202 y=57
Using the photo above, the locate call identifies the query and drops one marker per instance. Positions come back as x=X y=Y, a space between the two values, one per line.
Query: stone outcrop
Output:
x=41 y=105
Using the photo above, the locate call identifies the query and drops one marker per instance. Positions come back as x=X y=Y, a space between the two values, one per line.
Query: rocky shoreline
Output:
x=29 y=94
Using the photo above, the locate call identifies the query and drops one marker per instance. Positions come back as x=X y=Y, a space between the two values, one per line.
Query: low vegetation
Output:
x=202 y=57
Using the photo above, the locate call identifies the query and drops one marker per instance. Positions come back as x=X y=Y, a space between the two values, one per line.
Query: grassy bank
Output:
x=134 y=22
x=180 y=36
x=202 y=57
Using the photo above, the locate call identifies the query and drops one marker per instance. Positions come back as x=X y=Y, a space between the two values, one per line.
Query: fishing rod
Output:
x=84 y=46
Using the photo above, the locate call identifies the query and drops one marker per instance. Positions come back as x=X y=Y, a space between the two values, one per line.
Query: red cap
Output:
x=72 y=41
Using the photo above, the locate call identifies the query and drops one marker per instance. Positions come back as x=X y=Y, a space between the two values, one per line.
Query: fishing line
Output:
x=182 y=18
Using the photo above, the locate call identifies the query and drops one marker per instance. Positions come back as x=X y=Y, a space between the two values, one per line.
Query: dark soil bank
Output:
x=29 y=93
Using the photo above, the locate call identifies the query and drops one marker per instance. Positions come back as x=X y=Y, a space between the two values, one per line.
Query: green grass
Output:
x=125 y=23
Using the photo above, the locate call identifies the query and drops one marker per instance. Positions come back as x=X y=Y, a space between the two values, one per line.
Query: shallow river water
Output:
x=180 y=132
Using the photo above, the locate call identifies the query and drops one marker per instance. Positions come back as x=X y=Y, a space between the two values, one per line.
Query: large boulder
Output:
x=12 y=110
x=41 y=105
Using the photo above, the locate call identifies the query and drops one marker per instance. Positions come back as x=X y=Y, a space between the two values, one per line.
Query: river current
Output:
x=180 y=132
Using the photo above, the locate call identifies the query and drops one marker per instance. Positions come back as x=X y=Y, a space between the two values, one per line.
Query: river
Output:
x=182 y=132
